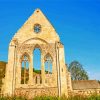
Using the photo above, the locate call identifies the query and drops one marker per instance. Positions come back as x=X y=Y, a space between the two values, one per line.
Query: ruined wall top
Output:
x=37 y=26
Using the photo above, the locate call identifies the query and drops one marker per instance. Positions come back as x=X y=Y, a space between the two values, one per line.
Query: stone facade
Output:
x=37 y=32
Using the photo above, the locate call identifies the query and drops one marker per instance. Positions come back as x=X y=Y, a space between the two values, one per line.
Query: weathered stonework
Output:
x=37 y=32
x=32 y=92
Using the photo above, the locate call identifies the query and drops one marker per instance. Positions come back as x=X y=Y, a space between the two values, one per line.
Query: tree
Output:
x=77 y=71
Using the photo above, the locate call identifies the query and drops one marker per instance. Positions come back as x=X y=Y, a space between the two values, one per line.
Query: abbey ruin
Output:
x=20 y=77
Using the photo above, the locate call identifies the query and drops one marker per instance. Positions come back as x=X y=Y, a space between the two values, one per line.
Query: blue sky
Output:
x=76 y=21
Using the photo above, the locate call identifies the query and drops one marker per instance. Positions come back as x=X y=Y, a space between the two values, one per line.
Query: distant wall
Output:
x=85 y=92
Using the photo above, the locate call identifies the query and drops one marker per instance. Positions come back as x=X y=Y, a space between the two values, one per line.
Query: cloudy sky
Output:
x=76 y=21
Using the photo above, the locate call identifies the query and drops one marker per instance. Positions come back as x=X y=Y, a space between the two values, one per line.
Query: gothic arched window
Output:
x=37 y=64
x=48 y=64
x=25 y=70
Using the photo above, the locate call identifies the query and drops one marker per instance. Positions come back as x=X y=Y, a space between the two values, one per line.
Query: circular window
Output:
x=37 y=28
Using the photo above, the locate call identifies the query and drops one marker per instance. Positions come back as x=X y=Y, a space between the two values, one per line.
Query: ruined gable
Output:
x=27 y=31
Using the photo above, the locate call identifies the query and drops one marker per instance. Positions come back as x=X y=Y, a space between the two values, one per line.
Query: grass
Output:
x=78 y=97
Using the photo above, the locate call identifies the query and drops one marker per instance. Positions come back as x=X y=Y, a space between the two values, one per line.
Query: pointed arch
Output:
x=48 y=56
x=23 y=55
x=37 y=46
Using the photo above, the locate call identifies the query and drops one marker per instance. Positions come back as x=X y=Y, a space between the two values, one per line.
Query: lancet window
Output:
x=25 y=69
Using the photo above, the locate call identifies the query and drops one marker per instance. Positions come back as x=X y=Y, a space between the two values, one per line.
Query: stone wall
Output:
x=32 y=92
x=85 y=92
x=21 y=48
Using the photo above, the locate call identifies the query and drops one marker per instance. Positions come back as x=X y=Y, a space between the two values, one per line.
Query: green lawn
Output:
x=92 y=97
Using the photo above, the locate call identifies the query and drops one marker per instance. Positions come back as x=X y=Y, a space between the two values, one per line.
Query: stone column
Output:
x=18 y=72
x=10 y=71
x=24 y=72
x=48 y=67
x=42 y=69
x=38 y=79
x=31 y=70
x=69 y=81
x=62 y=70
x=58 y=71
x=54 y=72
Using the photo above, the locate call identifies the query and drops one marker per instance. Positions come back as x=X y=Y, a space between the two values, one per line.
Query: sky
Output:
x=76 y=21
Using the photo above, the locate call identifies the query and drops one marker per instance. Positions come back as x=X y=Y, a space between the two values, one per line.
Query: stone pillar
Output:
x=62 y=80
x=31 y=70
x=18 y=71
x=38 y=79
x=10 y=71
x=58 y=71
x=48 y=67
x=24 y=72
x=62 y=70
x=42 y=69
x=54 y=72
x=69 y=81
